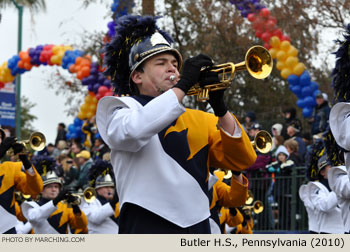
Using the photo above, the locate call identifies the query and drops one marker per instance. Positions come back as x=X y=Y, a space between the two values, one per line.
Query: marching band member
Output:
x=103 y=212
x=159 y=149
x=21 y=176
x=339 y=176
x=325 y=201
x=224 y=195
x=49 y=215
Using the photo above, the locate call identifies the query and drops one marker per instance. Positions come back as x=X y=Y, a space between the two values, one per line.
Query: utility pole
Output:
x=18 y=78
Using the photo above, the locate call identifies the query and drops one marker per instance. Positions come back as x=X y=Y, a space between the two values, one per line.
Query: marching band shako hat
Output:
x=340 y=73
x=317 y=151
x=101 y=174
x=137 y=39
x=45 y=165
x=2 y=134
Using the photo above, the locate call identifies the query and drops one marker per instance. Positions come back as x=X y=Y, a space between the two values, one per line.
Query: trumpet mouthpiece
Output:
x=172 y=77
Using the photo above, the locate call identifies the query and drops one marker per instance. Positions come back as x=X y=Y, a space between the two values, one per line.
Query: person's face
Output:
x=51 y=191
x=155 y=78
x=282 y=157
x=287 y=115
x=107 y=192
x=319 y=100
x=324 y=171
x=290 y=131
x=75 y=149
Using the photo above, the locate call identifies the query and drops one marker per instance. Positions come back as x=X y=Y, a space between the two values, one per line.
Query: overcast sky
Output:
x=62 y=23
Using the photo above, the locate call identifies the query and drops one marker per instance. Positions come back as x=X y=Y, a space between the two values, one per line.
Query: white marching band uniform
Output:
x=98 y=215
x=325 y=204
x=310 y=209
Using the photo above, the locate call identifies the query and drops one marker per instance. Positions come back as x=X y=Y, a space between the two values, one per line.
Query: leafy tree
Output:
x=27 y=118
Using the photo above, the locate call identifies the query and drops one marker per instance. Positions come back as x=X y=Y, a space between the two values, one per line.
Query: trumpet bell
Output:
x=89 y=194
x=250 y=198
x=258 y=207
x=262 y=141
x=37 y=141
x=258 y=62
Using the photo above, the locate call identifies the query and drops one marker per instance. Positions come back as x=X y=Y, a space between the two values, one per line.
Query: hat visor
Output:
x=339 y=122
x=167 y=49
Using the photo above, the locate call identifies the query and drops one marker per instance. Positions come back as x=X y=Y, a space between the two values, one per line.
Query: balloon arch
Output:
x=90 y=73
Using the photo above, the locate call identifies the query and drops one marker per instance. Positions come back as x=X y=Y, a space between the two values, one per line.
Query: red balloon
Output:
x=258 y=33
x=98 y=96
x=264 y=12
x=102 y=90
x=278 y=33
x=251 y=17
x=266 y=37
x=272 y=19
x=2 y=84
x=267 y=45
x=270 y=26
x=109 y=93
x=285 y=37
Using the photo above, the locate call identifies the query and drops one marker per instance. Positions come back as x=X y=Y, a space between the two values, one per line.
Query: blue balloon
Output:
x=307 y=112
x=308 y=101
x=293 y=79
x=296 y=90
x=301 y=103
x=307 y=91
x=78 y=122
x=304 y=78
x=313 y=85
x=71 y=128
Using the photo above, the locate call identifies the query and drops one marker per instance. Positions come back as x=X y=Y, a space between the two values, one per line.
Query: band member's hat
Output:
x=101 y=174
x=45 y=165
x=339 y=122
x=137 y=39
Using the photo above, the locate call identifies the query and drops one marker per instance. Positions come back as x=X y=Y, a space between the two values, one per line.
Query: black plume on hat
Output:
x=99 y=167
x=129 y=31
x=44 y=164
x=317 y=151
x=341 y=72
x=334 y=151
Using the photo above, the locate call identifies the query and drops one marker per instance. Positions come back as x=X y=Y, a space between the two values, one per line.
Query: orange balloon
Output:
x=291 y=62
x=85 y=71
x=84 y=108
x=286 y=72
x=72 y=68
x=299 y=69
x=273 y=52
x=292 y=51
x=92 y=108
x=275 y=42
x=21 y=54
x=27 y=66
x=281 y=55
x=89 y=114
x=20 y=64
x=80 y=75
x=88 y=99
x=78 y=60
x=285 y=45
x=280 y=65
x=81 y=115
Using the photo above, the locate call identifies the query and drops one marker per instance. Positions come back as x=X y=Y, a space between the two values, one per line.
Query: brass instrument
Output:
x=36 y=142
x=258 y=62
x=89 y=196
x=250 y=198
x=20 y=197
x=257 y=207
x=262 y=141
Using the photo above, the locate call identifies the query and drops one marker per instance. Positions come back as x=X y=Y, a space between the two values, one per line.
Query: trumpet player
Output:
x=49 y=215
x=103 y=212
x=21 y=176
x=160 y=151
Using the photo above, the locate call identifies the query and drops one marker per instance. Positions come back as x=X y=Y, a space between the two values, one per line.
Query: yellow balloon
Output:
x=299 y=69
x=292 y=51
x=94 y=100
x=291 y=62
x=273 y=52
x=286 y=72
x=81 y=115
x=92 y=108
x=88 y=99
x=280 y=65
x=281 y=55
x=56 y=49
x=89 y=114
x=84 y=108
x=285 y=45
x=275 y=42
